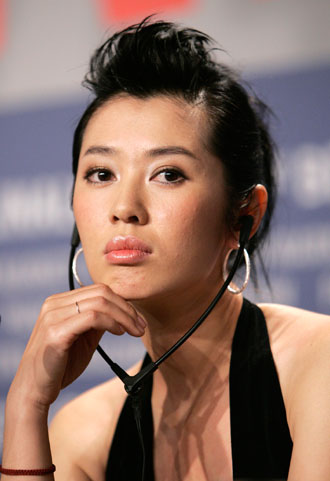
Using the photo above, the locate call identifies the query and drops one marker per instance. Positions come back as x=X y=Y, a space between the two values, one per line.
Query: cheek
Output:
x=88 y=213
x=195 y=225
x=89 y=224
x=90 y=221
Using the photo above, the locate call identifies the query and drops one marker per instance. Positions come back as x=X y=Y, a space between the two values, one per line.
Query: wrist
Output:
x=22 y=397
x=26 y=442
x=21 y=408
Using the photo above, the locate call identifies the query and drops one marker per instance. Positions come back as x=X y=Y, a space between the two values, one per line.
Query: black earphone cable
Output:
x=136 y=405
x=133 y=384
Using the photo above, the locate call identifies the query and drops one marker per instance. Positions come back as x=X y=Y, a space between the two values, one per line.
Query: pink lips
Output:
x=127 y=250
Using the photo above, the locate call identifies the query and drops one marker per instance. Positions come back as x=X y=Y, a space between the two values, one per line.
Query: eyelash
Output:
x=171 y=170
x=97 y=170
x=107 y=172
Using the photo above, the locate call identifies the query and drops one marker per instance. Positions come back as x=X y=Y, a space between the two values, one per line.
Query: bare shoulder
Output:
x=295 y=334
x=300 y=342
x=291 y=328
x=281 y=312
x=82 y=431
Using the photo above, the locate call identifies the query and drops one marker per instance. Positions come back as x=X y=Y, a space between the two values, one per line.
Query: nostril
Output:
x=133 y=218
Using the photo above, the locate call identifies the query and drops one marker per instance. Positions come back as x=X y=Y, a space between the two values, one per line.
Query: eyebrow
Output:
x=171 y=150
x=159 y=151
x=100 y=149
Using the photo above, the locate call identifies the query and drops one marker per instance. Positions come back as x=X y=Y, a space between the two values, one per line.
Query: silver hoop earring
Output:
x=74 y=266
x=247 y=272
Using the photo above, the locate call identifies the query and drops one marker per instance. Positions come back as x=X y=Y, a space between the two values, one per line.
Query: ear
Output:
x=255 y=206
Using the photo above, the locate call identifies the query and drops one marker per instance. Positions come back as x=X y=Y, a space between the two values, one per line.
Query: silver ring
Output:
x=77 y=307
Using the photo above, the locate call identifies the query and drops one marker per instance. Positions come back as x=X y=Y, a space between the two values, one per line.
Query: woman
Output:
x=169 y=159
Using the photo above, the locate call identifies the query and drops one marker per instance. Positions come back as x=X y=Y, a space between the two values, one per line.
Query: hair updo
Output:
x=161 y=58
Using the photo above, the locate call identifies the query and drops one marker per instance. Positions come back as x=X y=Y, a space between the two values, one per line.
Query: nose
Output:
x=129 y=204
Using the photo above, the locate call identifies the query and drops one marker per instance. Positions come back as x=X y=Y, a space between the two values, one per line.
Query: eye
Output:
x=169 y=175
x=99 y=175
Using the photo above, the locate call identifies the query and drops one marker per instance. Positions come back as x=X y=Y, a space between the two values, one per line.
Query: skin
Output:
x=182 y=219
x=178 y=220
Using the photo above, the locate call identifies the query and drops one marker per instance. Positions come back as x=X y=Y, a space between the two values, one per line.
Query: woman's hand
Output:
x=64 y=340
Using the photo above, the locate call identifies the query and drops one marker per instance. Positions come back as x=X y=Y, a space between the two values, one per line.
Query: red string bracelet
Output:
x=27 y=472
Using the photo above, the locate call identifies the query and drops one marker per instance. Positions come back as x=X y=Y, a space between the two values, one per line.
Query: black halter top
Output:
x=260 y=438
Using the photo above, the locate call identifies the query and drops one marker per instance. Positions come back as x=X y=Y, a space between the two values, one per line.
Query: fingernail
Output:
x=141 y=322
x=121 y=330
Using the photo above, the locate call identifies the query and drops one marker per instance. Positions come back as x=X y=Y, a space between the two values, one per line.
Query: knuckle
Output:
x=46 y=305
x=47 y=300
x=91 y=316
x=47 y=317
x=101 y=302
x=104 y=290
x=52 y=334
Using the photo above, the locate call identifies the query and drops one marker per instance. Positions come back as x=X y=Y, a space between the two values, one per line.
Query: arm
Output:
x=60 y=348
x=309 y=410
x=28 y=436
x=26 y=444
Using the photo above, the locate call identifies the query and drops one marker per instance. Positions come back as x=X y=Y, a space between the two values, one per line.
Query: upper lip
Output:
x=129 y=242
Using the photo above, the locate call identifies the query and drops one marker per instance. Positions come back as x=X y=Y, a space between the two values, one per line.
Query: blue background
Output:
x=36 y=220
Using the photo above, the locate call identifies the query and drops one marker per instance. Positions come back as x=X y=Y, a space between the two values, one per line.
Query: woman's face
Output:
x=150 y=200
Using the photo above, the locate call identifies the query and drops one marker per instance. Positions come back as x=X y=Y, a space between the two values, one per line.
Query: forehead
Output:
x=154 y=120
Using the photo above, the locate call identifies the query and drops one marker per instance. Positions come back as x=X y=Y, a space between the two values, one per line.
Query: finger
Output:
x=130 y=323
x=70 y=297
x=64 y=294
x=65 y=333
x=120 y=320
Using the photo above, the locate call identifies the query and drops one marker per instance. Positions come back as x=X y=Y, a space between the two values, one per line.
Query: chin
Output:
x=130 y=291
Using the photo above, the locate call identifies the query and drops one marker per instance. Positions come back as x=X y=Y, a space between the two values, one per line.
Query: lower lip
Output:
x=126 y=257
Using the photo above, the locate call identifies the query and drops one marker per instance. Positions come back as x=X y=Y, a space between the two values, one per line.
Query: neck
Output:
x=207 y=348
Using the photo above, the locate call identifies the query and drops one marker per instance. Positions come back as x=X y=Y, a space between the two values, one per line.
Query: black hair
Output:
x=162 y=58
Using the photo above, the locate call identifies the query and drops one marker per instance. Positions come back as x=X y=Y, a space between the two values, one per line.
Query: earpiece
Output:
x=75 y=239
x=246 y=227
x=133 y=383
